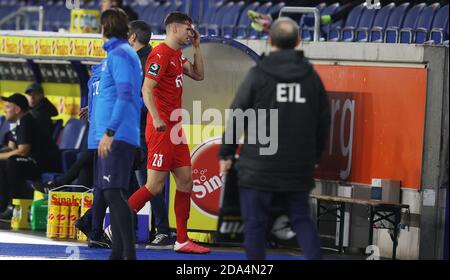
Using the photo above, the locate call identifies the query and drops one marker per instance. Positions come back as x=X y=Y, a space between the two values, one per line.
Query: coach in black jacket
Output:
x=284 y=81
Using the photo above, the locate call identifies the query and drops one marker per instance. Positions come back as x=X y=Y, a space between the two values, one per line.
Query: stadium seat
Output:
x=380 y=23
x=244 y=22
x=404 y=34
x=56 y=129
x=214 y=28
x=438 y=32
x=157 y=19
x=395 y=22
x=361 y=34
x=209 y=18
x=307 y=32
x=148 y=12
x=4 y=129
x=329 y=10
x=70 y=142
x=231 y=19
x=350 y=24
x=424 y=23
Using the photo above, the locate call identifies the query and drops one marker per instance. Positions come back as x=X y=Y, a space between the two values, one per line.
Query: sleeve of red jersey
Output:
x=156 y=65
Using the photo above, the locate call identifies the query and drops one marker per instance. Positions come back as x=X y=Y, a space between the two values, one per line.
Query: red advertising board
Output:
x=378 y=116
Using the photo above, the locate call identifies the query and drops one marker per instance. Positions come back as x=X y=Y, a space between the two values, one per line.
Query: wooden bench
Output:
x=377 y=210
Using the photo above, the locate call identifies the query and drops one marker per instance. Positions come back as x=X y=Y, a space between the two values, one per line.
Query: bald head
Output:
x=284 y=33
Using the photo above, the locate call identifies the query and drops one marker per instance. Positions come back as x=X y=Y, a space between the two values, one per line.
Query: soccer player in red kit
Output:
x=162 y=90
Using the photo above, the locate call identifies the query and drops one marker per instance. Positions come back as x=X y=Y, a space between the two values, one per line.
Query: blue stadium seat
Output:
x=51 y=15
x=57 y=126
x=242 y=27
x=329 y=10
x=263 y=9
x=209 y=18
x=148 y=12
x=396 y=22
x=307 y=32
x=214 y=28
x=364 y=24
x=405 y=34
x=424 y=23
x=230 y=20
x=158 y=17
x=70 y=141
x=350 y=24
x=361 y=33
x=4 y=129
x=380 y=23
x=6 y=10
x=440 y=23
x=62 y=19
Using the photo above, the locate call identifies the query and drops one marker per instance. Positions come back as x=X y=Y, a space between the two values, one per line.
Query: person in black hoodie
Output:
x=285 y=82
x=41 y=108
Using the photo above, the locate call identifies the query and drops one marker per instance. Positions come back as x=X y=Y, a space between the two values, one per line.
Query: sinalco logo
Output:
x=75 y=4
x=373 y=4
x=206 y=178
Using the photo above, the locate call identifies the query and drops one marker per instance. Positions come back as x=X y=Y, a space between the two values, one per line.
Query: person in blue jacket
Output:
x=116 y=118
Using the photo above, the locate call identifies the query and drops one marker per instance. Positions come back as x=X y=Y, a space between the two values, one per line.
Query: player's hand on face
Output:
x=195 y=38
x=159 y=124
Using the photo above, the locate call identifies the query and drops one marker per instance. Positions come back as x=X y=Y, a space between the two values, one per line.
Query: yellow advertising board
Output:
x=11 y=45
x=47 y=46
x=62 y=46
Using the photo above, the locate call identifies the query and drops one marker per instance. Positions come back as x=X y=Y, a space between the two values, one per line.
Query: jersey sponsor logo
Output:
x=207 y=181
x=154 y=69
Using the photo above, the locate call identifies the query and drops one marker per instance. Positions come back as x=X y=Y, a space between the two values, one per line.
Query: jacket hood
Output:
x=286 y=65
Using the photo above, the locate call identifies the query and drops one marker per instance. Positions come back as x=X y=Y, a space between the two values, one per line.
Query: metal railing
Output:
x=23 y=12
x=305 y=10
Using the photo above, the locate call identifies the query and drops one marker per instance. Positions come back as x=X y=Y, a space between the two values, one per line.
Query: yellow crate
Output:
x=63 y=209
x=87 y=199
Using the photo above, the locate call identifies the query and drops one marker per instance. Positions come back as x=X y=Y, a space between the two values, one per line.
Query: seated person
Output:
x=30 y=151
x=41 y=108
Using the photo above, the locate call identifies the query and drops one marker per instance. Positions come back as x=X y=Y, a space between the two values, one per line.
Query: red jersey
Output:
x=165 y=66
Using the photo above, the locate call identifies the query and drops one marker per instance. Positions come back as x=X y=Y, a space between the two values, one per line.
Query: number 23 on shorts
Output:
x=157 y=160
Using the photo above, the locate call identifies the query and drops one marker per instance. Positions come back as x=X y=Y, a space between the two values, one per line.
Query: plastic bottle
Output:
x=63 y=218
x=74 y=215
x=52 y=219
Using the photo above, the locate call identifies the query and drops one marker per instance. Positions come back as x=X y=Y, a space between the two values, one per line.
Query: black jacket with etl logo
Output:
x=287 y=82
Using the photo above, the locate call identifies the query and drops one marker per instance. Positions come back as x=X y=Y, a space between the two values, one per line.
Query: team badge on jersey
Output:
x=154 y=69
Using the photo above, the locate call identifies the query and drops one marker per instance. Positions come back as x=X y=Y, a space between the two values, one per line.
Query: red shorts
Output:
x=163 y=154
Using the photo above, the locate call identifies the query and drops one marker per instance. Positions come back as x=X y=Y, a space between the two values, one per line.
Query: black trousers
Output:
x=81 y=170
x=13 y=173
